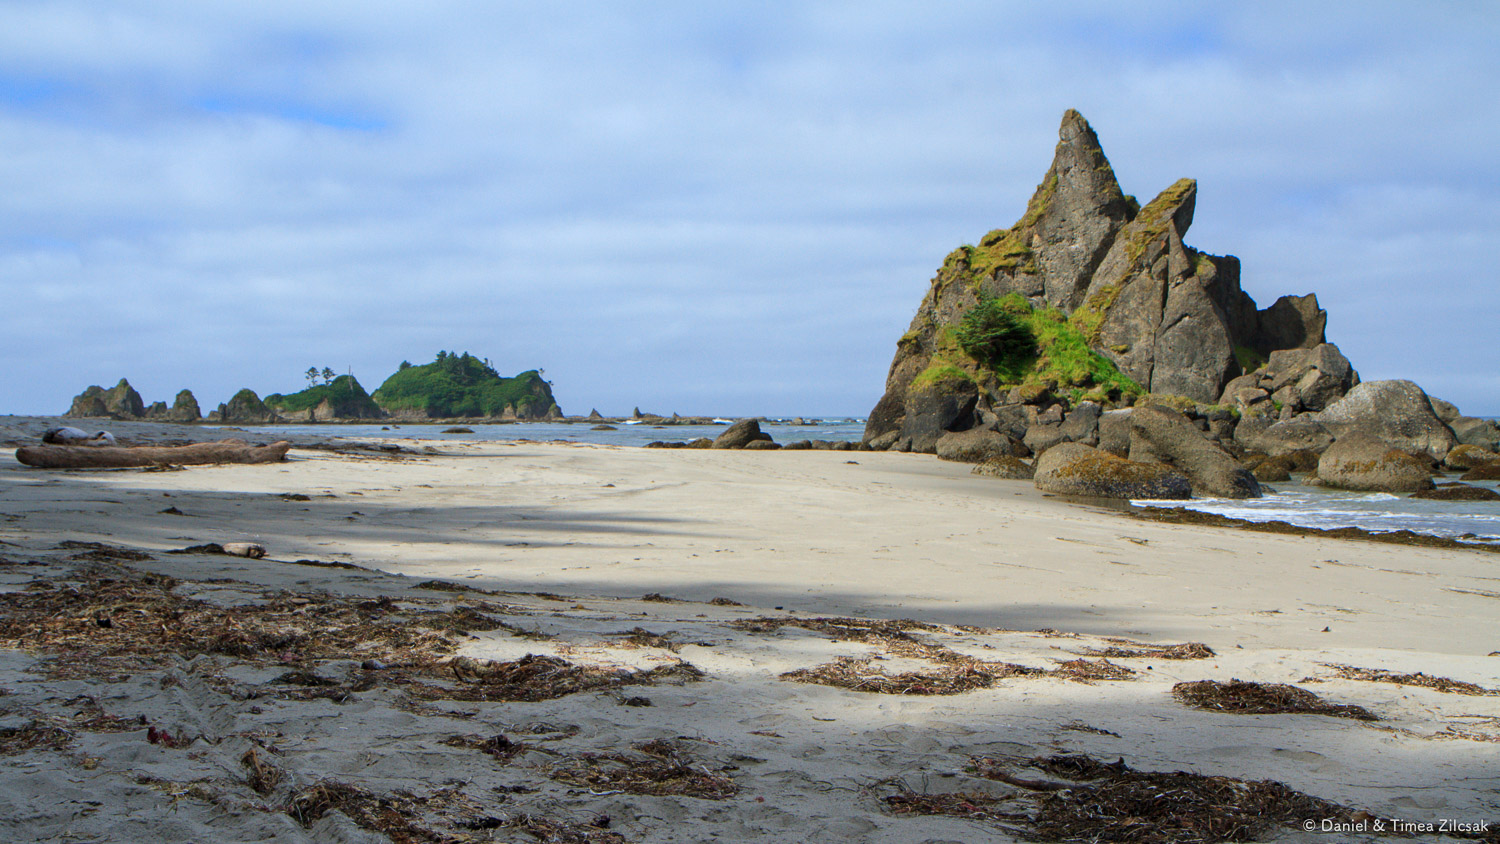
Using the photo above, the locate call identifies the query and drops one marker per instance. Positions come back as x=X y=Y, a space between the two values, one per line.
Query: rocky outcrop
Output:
x=1394 y=412
x=741 y=434
x=1160 y=435
x=246 y=408
x=118 y=402
x=1296 y=379
x=1167 y=316
x=1366 y=463
x=184 y=408
x=1077 y=469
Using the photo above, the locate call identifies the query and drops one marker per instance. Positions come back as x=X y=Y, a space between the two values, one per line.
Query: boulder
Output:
x=1322 y=364
x=1473 y=431
x=1170 y=438
x=1300 y=433
x=762 y=445
x=1114 y=432
x=1039 y=438
x=1465 y=457
x=881 y=442
x=1077 y=469
x=1271 y=470
x=1395 y=412
x=1483 y=472
x=1006 y=468
x=1458 y=492
x=975 y=446
x=1366 y=463
x=799 y=445
x=741 y=434
x=1081 y=425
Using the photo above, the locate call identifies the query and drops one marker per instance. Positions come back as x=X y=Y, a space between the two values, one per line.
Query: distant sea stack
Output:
x=1114 y=306
x=452 y=386
x=463 y=386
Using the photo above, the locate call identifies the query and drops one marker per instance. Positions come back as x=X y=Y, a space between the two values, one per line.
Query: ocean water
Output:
x=1317 y=507
x=833 y=430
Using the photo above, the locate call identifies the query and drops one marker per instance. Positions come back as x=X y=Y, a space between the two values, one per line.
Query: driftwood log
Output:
x=104 y=457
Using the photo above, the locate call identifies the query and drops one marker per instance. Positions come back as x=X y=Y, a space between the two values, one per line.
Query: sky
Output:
x=703 y=208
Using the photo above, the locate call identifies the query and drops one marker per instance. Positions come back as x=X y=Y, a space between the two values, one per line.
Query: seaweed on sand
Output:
x=1249 y=698
x=536 y=677
x=659 y=768
x=1099 y=801
x=1129 y=650
x=860 y=675
x=1427 y=681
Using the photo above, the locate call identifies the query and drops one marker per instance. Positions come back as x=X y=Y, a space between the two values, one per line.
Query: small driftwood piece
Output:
x=104 y=457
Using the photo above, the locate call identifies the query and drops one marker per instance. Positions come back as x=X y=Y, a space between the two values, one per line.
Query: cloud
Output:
x=699 y=208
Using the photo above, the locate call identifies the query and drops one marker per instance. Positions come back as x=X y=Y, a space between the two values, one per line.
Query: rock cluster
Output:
x=1217 y=393
x=122 y=402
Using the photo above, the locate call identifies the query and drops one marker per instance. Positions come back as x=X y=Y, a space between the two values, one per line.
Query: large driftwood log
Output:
x=103 y=457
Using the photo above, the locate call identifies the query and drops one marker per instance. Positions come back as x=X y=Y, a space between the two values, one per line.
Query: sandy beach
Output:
x=683 y=598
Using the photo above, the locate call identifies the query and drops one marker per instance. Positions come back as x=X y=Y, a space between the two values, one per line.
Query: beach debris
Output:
x=74 y=436
x=657 y=597
x=560 y=832
x=33 y=735
x=1249 y=698
x=659 y=768
x=1099 y=801
x=640 y=637
x=396 y=814
x=116 y=457
x=859 y=674
x=261 y=776
x=536 y=677
x=1124 y=649
x=953 y=672
x=961 y=804
x=499 y=745
x=726 y=602
x=1427 y=681
x=98 y=552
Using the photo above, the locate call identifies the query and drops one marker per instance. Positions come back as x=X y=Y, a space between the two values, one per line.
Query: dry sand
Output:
x=997 y=574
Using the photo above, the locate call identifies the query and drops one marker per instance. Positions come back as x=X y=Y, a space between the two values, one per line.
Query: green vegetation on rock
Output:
x=463 y=385
x=1057 y=352
x=994 y=334
x=940 y=374
x=1249 y=359
x=344 y=394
